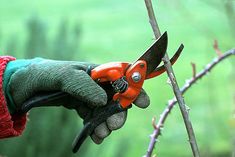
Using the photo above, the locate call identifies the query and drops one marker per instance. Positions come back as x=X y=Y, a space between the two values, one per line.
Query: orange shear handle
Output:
x=134 y=75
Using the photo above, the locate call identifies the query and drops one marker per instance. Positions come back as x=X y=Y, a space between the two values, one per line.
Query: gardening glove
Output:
x=23 y=79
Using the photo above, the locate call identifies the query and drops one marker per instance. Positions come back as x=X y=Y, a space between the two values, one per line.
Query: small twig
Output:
x=175 y=87
x=216 y=48
x=154 y=123
x=194 y=69
x=207 y=69
x=186 y=86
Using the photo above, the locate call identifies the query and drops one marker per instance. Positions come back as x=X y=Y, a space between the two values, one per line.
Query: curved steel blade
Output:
x=154 y=54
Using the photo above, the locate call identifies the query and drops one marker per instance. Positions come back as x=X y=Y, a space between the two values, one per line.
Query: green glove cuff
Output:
x=11 y=68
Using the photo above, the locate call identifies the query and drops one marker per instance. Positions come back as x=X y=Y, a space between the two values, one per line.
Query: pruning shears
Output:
x=126 y=80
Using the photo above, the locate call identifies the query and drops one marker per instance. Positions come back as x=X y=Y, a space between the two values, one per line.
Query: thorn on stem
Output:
x=187 y=108
x=168 y=81
x=156 y=140
x=151 y=136
x=216 y=48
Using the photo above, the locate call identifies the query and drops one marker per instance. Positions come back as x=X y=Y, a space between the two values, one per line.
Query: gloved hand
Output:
x=70 y=77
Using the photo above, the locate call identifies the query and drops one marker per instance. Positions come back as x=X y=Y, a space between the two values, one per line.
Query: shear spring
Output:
x=120 y=85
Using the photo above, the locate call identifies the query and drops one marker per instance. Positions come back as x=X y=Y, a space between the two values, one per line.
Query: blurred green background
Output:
x=101 y=31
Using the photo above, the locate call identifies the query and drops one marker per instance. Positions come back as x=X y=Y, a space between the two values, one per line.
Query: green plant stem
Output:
x=176 y=89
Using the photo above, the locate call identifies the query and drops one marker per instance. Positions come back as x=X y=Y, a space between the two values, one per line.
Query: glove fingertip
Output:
x=96 y=139
x=116 y=121
x=102 y=131
x=143 y=100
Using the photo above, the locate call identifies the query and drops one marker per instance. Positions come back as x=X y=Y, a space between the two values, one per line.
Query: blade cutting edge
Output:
x=154 y=54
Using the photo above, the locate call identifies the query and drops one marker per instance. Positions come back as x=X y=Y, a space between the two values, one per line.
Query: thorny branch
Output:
x=187 y=85
x=175 y=87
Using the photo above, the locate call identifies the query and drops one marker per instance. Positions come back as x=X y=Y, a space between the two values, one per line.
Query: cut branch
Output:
x=186 y=86
x=175 y=87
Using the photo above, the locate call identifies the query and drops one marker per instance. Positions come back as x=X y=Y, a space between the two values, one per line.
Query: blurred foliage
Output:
x=101 y=31
x=36 y=45
x=43 y=132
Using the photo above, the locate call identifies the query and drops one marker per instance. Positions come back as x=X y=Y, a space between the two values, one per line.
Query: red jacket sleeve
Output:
x=10 y=125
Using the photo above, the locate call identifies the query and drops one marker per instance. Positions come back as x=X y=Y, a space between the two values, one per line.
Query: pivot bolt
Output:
x=136 y=76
